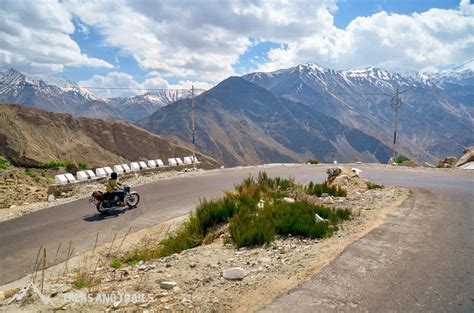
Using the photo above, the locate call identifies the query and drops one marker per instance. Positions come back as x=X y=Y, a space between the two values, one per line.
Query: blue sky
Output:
x=167 y=44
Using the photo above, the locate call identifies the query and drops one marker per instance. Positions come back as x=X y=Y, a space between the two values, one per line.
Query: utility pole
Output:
x=396 y=102
x=194 y=129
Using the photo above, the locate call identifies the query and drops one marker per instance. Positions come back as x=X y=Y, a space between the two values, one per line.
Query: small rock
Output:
x=356 y=170
x=167 y=285
x=115 y=305
x=328 y=200
x=288 y=200
x=12 y=206
x=264 y=260
x=192 y=265
x=324 y=195
x=235 y=273
x=51 y=197
x=318 y=218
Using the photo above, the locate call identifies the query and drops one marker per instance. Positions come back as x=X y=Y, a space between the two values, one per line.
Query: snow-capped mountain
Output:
x=62 y=95
x=240 y=123
x=436 y=116
x=53 y=94
x=15 y=82
x=137 y=107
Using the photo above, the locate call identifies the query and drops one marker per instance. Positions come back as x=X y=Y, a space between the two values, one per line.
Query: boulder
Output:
x=333 y=172
x=328 y=200
x=342 y=180
x=451 y=160
x=235 y=273
x=447 y=162
x=467 y=157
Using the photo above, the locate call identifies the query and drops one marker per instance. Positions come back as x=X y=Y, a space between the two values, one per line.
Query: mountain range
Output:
x=293 y=114
x=62 y=95
x=435 y=117
x=241 y=123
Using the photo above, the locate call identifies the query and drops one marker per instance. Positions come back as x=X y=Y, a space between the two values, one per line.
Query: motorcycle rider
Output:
x=114 y=188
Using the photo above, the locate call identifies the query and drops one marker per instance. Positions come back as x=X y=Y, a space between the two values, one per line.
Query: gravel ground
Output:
x=197 y=273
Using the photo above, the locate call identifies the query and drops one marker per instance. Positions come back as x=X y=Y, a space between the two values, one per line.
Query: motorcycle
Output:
x=103 y=204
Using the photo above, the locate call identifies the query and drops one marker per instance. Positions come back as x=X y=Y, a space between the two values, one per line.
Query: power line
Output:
x=195 y=89
x=99 y=88
x=231 y=91
x=439 y=75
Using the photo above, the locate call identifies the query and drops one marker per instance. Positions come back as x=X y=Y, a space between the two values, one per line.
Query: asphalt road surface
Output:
x=419 y=259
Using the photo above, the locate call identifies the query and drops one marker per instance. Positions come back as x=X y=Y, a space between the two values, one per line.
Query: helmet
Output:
x=113 y=175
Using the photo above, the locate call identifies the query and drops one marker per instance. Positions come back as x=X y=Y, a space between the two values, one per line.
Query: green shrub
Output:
x=343 y=214
x=401 y=159
x=116 y=263
x=53 y=164
x=14 y=161
x=43 y=174
x=249 y=228
x=319 y=189
x=56 y=163
x=371 y=185
x=3 y=163
x=29 y=172
x=248 y=224
x=299 y=219
x=312 y=161
x=82 y=165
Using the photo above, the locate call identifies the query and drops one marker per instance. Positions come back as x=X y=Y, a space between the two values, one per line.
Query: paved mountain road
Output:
x=421 y=258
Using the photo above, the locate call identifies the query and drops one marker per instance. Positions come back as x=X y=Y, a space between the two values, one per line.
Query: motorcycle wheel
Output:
x=132 y=200
x=101 y=209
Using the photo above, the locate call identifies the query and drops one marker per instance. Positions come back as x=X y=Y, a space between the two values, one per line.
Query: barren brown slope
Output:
x=32 y=135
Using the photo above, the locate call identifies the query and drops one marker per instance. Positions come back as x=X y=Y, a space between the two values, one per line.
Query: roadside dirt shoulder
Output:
x=196 y=274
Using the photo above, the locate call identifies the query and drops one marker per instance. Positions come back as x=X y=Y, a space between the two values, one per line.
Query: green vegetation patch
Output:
x=374 y=186
x=3 y=163
x=401 y=159
x=256 y=213
x=319 y=189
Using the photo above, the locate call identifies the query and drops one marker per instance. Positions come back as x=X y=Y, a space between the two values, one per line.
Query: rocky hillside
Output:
x=32 y=135
x=240 y=123
x=435 y=118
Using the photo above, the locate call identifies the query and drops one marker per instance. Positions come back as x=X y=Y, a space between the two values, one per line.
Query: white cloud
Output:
x=199 y=40
x=117 y=84
x=419 y=41
x=202 y=40
x=35 y=38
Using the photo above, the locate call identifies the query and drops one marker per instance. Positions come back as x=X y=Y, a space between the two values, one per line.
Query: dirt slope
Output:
x=32 y=135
